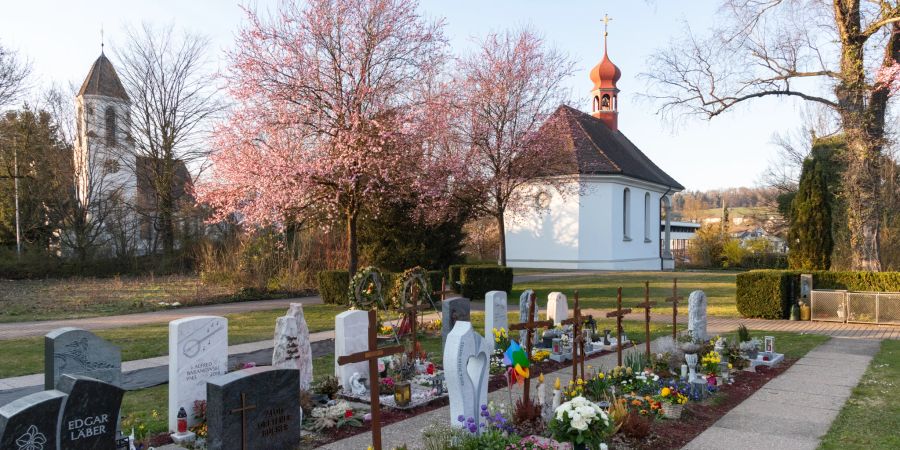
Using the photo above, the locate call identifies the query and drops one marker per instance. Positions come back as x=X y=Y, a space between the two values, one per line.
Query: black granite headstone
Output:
x=453 y=310
x=254 y=408
x=31 y=422
x=90 y=414
x=74 y=351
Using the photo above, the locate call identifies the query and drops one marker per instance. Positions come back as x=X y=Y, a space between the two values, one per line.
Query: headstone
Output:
x=73 y=351
x=495 y=314
x=697 y=315
x=254 y=408
x=90 y=413
x=453 y=310
x=31 y=422
x=198 y=351
x=466 y=366
x=350 y=336
x=557 y=307
x=523 y=315
x=291 y=348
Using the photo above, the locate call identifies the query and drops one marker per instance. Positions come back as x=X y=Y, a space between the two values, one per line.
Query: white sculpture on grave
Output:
x=691 y=359
x=557 y=307
x=697 y=315
x=351 y=336
x=291 y=347
x=466 y=366
x=356 y=386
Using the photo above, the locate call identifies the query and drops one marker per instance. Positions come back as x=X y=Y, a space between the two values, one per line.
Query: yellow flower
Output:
x=601 y=375
x=665 y=392
x=729 y=366
x=556 y=384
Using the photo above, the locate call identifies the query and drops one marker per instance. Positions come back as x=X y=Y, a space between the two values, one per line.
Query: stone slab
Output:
x=777 y=411
x=198 y=351
x=32 y=420
x=728 y=439
x=800 y=400
x=90 y=413
x=795 y=426
x=74 y=351
x=453 y=310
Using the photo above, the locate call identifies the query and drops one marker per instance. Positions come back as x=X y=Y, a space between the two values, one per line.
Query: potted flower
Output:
x=710 y=363
x=672 y=401
x=750 y=348
x=580 y=422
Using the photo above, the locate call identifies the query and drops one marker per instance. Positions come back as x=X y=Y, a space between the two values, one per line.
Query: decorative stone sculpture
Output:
x=466 y=365
x=356 y=386
x=292 y=349
x=697 y=316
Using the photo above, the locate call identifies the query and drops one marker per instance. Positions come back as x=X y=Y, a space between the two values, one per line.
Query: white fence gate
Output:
x=881 y=308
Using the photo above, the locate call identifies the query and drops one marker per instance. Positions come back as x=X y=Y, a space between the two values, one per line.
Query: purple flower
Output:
x=461 y=418
x=484 y=407
x=472 y=428
x=470 y=420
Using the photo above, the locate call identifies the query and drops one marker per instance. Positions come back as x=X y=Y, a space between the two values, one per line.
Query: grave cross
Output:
x=243 y=410
x=577 y=339
x=411 y=313
x=372 y=355
x=618 y=314
x=646 y=305
x=674 y=299
x=529 y=326
x=444 y=291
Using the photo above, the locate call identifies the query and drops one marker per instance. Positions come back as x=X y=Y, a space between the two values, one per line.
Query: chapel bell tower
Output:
x=605 y=95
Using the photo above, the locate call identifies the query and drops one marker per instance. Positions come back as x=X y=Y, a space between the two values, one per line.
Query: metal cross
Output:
x=606 y=21
x=618 y=314
x=243 y=410
x=647 y=305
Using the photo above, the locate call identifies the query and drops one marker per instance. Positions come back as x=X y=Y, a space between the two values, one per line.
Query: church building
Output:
x=613 y=223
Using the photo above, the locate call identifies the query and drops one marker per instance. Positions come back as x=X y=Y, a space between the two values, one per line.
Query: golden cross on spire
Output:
x=101 y=39
x=606 y=21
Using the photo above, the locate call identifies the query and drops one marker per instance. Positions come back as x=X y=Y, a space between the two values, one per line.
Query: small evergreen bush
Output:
x=479 y=280
x=333 y=286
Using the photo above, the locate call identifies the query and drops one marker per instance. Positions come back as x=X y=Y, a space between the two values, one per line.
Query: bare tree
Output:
x=14 y=72
x=173 y=101
x=830 y=53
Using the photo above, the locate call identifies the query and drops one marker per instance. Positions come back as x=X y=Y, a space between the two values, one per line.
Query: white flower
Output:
x=579 y=424
x=603 y=446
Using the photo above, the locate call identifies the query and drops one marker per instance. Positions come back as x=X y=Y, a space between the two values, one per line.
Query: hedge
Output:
x=455 y=277
x=333 y=286
x=769 y=294
x=479 y=280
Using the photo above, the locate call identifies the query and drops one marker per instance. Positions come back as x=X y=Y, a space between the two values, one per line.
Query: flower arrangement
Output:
x=597 y=387
x=199 y=411
x=501 y=338
x=644 y=406
x=336 y=416
x=574 y=390
x=386 y=330
x=710 y=362
x=401 y=291
x=580 y=422
x=365 y=289
x=540 y=355
x=671 y=395
x=386 y=386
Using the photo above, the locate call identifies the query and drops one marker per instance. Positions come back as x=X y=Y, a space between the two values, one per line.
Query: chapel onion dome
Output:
x=605 y=74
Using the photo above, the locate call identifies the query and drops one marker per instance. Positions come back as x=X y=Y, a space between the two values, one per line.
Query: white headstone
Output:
x=351 y=335
x=494 y=314
x=466 y=367
x=557 y=307
x=291 y=347
x=697 y=315
x=198 y=351
x=523 y=315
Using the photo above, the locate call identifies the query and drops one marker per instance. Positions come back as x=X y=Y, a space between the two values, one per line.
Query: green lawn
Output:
x=871 y=417
x=26 y=355
x=599 y=290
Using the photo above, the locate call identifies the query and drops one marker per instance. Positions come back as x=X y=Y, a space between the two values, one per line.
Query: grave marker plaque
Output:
x=74 y=351
x=31 y=422
x=198 y=351
x=90 y=413
x=454 y=310
x=254 y=408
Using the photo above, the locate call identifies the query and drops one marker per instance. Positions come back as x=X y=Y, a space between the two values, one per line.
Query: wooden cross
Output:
x=444 y=291
x=577 y=339
x=411 y=314
x=243 y=410
x=646 y=305
x=529 y=326
x=618 y=314
x=674 y=299
x=372 y=355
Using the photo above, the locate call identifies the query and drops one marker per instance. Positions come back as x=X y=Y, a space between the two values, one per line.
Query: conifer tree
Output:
x=810 y=237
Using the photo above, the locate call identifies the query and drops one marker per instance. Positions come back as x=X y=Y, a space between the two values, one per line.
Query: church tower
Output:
x=103 y=143
x=605 y=95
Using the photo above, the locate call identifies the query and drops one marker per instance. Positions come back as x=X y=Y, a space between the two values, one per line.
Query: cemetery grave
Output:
x=212 y=405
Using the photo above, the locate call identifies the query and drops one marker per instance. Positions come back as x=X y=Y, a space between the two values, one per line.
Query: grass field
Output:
x=599 y=290
x=70 y=298
x=871 y=417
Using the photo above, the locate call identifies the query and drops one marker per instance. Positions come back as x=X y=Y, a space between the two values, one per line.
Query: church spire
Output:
x=605 y=94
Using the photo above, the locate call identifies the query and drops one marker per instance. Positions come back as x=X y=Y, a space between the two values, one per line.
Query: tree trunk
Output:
x=166 y=204
x=352 y=251
x=502 y=227
x=862 y=187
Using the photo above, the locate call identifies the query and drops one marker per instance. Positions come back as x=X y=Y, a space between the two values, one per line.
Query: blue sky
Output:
x=62 y=38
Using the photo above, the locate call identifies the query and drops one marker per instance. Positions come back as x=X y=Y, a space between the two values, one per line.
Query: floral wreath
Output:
x=364 y=291
x=401 y=292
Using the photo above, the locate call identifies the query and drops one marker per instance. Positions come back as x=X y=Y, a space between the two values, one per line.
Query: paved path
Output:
x=40 y=328
x=794 y=410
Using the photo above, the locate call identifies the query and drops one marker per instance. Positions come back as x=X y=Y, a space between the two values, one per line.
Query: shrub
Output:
x=769 y=294
x=333 y=286
x=479 y=280
x=455 y=277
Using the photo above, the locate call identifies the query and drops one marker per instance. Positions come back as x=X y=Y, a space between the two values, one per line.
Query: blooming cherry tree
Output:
x=331 y=113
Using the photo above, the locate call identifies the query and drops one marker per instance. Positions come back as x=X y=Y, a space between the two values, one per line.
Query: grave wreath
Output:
x=364 y=291
x=403 y=285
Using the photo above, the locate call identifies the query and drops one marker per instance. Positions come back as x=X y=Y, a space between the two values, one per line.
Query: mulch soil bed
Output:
x=697 y=417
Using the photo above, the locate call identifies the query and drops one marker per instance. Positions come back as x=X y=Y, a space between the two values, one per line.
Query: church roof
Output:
x=103 y=80
x=600 y=150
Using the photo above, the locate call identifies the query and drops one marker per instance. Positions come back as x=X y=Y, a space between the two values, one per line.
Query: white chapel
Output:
x=614 y=224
